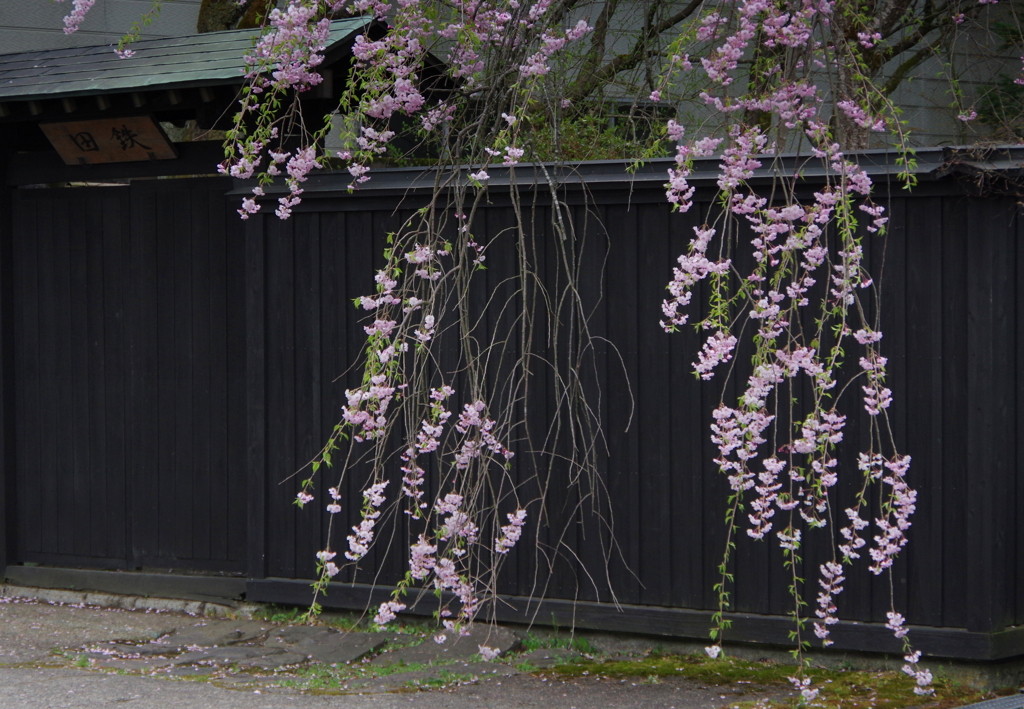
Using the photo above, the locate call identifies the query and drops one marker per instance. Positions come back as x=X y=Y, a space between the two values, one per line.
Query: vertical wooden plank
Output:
x=75 y=377
x=891 y=265
x=533 y=464
x=148 y=271
x=8 y=500
x=714 y=489
x=255 y=388
x=334 y=308
x=623 y=444
x=116 y=383
x=307 y=385
x=66 y=396
x=101 y=520
x=386 y=563
x=1006 y=476
x=357 y=271
x=595 y=535
x=181 y=519
x=281 y=484
x=956 y=461
x=27 y=236
x=205 y=428
x=219 y=457
x=166 y=275
x=1019 y=507
x=654 y=433
x=238 y=479
x=556 y=271
x=924 y=396
x=990 y=335
x=689 y=419
x=500 y=267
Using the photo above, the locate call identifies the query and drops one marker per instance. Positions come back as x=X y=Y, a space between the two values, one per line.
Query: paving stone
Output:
x=218 y=610
x=98 y=655
x=294 y=634
x=455 y=648
x=133 y=665
x=191 y=671
x=169 y=605
x=107 y=600
x=340 y=648
x=272 y=662
x=71 y=598
x=548 y=657
x=236 y=680
x=147 y=650
x=216 y=633
x=225 y=655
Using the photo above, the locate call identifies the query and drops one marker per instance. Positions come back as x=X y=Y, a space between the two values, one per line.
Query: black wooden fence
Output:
x=129 y=353
x=168 y=368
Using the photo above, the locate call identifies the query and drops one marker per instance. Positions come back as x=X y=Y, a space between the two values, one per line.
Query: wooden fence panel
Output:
x=175 y=370
x=131 y=453
x=71 y=476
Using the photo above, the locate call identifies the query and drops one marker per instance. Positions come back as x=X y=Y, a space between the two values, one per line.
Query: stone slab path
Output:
x=57 y=656
x=268 y=657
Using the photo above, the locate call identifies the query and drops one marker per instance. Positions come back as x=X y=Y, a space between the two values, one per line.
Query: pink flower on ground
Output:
x=488 y=653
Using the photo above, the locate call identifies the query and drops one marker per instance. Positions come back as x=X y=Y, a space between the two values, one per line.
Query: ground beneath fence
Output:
x=54 y=655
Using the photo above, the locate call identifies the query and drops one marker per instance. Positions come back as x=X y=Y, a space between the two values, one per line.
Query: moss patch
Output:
x=848 y=689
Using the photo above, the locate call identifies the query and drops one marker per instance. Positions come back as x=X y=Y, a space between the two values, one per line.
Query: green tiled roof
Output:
x=167 y=63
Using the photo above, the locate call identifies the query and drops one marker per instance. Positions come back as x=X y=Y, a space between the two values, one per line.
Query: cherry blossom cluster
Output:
x=803 y=685
x=456 y=528
x=510 y=532
x=387 y=611
x=831 y=578
x=290 y=48
x=895 y=520
x=876 y=396
x=472 y=418
x=79 y=9
x=922 y=677
x=328 y=567
x=359 y=542
x=693 y=268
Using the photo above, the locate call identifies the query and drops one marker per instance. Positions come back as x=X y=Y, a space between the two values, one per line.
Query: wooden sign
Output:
x=128 y=139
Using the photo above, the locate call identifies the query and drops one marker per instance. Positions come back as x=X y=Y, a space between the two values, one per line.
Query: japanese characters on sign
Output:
x=125 y=139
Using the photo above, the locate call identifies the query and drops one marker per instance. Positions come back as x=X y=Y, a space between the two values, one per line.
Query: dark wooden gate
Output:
x=129 y=340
